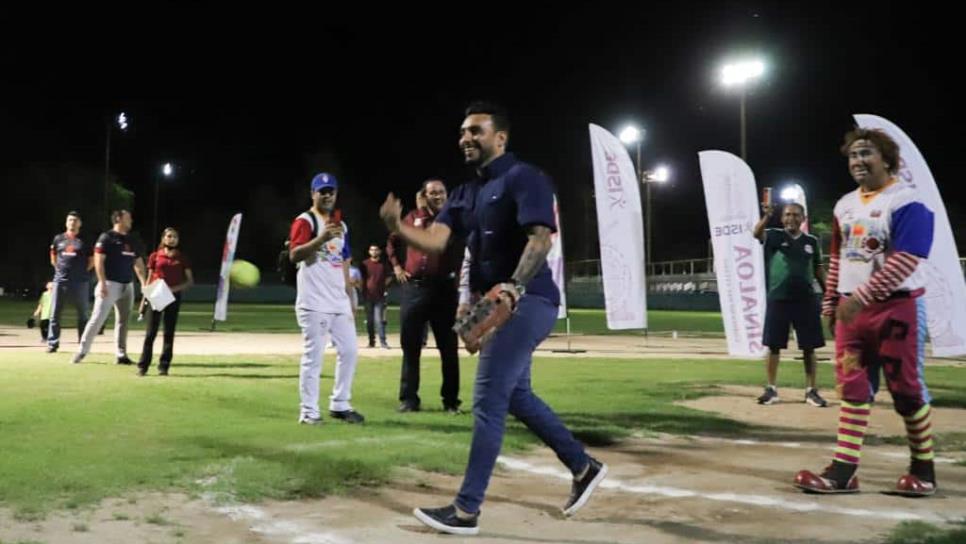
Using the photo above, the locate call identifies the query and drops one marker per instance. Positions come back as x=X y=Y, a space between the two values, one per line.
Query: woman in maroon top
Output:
x=168 y=263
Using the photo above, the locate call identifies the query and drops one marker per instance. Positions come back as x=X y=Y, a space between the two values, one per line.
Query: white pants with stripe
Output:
x=121 y=297
x=316 y=328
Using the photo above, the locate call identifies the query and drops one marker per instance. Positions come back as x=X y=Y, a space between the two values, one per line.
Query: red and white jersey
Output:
x=870 y=227
x=320 y=282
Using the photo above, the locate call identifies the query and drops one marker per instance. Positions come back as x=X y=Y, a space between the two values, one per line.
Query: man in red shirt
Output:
x=375 y=278
x=429 y=294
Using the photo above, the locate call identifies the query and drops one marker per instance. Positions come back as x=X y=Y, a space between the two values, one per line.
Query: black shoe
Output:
x=770 y=396
x=812 y=397
x=452 y=408
x=445 y=520
x=408 y=407
x=924 y=470
x=51 y=349
x=349 y=416
x=142 y=371
x=583 y=488
x=372 y=343
x=124 y=361
x=163 y=372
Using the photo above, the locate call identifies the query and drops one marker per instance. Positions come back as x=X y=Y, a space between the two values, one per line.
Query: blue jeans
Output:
x=376 y=320
x=78 y=294
x=503 y=385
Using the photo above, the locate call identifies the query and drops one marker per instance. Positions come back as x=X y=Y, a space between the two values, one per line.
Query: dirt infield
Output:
x=661 y=345
x=660 y=488
x=219 y=343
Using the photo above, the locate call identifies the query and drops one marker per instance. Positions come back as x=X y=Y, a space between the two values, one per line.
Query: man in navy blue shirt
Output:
x=506 y=215
x=70 y=255
x=117 y=260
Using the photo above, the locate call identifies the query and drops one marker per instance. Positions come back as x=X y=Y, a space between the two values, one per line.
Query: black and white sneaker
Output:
x=770 y=396
x=583 y=488
x=445 y=520
x=349 y=416
x=812 y=397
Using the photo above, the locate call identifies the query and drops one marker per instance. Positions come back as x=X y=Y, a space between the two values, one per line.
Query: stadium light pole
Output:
x=740 y=74
x=630 y=134
x=633 y=135
x=166 y=171
x=648 y=177
x=122 y=123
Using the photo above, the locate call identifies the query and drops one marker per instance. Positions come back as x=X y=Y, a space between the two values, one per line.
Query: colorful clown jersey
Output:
x=868 y=229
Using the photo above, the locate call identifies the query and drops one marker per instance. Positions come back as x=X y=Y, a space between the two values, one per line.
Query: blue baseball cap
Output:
x=323 y=180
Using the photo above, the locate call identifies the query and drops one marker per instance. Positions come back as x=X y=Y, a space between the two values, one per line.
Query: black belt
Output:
x=434 y=279
x=429 y=281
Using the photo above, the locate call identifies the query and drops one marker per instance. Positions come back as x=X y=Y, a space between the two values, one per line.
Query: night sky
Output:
x=248 y=105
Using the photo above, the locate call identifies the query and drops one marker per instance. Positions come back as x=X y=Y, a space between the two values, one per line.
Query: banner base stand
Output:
x=568 y=349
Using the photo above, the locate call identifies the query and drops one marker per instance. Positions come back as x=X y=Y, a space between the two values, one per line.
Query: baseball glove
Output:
x=487 y=315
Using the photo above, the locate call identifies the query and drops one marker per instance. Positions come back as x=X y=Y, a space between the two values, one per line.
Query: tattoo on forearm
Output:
x=534 y=255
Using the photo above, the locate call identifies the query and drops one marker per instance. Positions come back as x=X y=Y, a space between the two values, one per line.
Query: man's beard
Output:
x=481 y=159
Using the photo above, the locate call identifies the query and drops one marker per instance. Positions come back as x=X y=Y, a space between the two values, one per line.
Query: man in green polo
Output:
x=793 y=264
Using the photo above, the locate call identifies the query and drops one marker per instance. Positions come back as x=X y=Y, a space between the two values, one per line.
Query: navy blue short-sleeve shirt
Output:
x=493 y=213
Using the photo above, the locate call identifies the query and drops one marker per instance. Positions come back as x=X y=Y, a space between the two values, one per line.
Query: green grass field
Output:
x=71 y=435
x=75 y=434
x=281 y=318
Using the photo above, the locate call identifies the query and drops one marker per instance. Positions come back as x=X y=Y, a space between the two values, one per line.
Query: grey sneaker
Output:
x=770 y=396
x=77 y=358
x=812 y=397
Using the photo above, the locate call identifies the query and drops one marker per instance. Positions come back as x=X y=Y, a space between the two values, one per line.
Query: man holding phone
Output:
x=319 y=244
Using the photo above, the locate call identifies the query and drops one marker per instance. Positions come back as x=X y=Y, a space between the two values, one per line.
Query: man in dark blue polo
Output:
x=506 y=214
x=70 y=255
x=117 y=261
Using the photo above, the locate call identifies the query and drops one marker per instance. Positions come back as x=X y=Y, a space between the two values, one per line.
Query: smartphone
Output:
x=766 y=196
